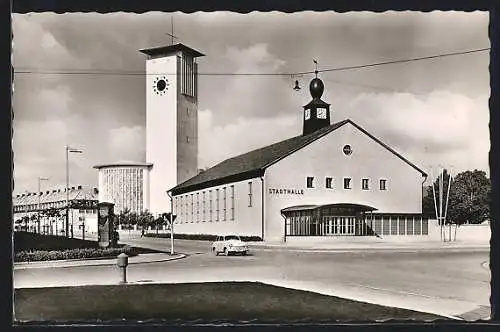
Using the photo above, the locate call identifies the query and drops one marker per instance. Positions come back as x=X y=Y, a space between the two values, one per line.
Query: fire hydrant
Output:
x=122 y=264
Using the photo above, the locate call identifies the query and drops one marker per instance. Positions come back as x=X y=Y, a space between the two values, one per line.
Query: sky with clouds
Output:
x=435 y=112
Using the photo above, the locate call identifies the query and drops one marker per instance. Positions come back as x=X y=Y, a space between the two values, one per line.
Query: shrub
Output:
x=201 y=237
x=24 y=241
x=79 y=253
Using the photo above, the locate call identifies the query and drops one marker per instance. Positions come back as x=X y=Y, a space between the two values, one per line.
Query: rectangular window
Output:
x=309 y=182
x=197 y=207
x=409 y=225
x=232 y=202
x=188 y=78
x=383 y=184
x=224 y=206
x=192 y=207
x=385 y=225
x=216 y=204
x=328 y=183
x=181 y=209
x=249 y=194
x=425 y=226
x=418 y=224
x=394 y=225
x=401 y=225
x=176 y=205
x=364 y=184
x=377 y=225
x=210 y=204
x=347 y=183
x=204 y=208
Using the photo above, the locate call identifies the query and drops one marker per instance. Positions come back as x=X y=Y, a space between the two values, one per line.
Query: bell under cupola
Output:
x=316 y=112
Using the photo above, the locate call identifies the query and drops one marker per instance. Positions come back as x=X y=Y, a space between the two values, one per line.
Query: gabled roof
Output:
x=84 y=193
x=253 y=164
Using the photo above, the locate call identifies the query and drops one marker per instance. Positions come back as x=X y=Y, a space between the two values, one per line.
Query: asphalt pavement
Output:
x=451 y=283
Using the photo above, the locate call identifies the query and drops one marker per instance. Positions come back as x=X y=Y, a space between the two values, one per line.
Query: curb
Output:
x=370 y=249
x=272 y=283
x=61 y=263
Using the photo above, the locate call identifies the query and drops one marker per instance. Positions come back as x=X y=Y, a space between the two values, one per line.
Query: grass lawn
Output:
x=204 y=302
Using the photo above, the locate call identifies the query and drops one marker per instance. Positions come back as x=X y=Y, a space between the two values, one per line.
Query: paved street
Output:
x=451 y=283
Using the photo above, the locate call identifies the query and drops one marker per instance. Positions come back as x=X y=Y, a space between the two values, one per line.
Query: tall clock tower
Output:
x=171 y=119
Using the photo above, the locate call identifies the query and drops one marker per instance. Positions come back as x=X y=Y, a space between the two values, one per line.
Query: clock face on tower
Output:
x=160 y=85
x=307 y=114
x=321 y=113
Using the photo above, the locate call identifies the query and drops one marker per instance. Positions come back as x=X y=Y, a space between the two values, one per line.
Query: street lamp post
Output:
x=68 y=150
x=171 y=223
x=40 y=179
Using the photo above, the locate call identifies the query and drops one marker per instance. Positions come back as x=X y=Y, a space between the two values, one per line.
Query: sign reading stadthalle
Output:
x=286 y=191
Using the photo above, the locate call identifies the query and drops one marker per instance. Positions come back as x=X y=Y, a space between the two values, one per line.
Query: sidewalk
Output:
x=140 y=259
x=374 y=245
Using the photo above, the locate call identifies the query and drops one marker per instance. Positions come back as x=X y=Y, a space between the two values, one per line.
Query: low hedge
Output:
x=202 y=237
x=24 y=241
x=80 y=253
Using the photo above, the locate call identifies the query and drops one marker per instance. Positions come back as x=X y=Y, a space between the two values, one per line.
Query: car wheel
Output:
x=215 y=252
x=244 y=253
x=226 y=253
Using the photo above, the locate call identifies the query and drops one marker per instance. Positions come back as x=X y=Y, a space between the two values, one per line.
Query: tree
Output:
x=145 y=219
x=470 y=198
x=123 y=218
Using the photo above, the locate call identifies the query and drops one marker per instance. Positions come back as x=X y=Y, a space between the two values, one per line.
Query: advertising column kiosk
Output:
x=106 y=224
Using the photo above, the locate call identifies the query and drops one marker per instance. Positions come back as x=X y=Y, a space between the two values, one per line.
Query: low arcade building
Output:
x=335 y=180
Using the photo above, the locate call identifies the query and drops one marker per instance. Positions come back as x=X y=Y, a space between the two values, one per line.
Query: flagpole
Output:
x=446 y=208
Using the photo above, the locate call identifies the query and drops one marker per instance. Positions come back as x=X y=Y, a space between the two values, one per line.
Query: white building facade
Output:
x=334 y=180
x=45 y=212
x=125 y=184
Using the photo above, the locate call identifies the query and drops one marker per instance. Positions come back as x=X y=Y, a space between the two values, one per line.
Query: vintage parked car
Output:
x=229 y=244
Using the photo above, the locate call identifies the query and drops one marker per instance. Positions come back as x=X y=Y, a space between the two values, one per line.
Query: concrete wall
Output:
x=247 y=219
x=324 y=158
x=466 y=233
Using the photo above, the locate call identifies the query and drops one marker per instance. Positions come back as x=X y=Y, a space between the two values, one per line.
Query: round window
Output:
x=347 y=149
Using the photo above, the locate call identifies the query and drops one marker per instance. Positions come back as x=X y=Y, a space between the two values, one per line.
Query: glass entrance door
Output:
x=338 y=225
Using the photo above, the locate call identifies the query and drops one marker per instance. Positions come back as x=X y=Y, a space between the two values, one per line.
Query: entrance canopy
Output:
x=330 y=208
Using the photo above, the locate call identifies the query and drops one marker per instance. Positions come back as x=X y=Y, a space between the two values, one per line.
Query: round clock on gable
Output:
x=347 y=150
x=160 y=85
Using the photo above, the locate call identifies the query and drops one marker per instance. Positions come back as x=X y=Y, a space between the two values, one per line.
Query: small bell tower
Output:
x=316 y=112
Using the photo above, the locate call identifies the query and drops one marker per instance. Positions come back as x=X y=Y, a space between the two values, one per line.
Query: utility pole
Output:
x=40 y=179
x=171 y=224
x=68 y=150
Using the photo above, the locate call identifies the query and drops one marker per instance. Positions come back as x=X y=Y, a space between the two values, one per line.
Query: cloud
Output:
x=35 y=46
x=104 y=113
x=442 y=128
x=127 y=143
x=250 y=95
x=219 y=142
x=38 y=151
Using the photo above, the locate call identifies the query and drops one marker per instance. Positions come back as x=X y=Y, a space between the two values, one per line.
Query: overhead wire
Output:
x=292 y=74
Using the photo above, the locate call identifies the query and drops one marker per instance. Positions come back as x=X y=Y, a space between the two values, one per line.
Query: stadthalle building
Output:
x=333 y=180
